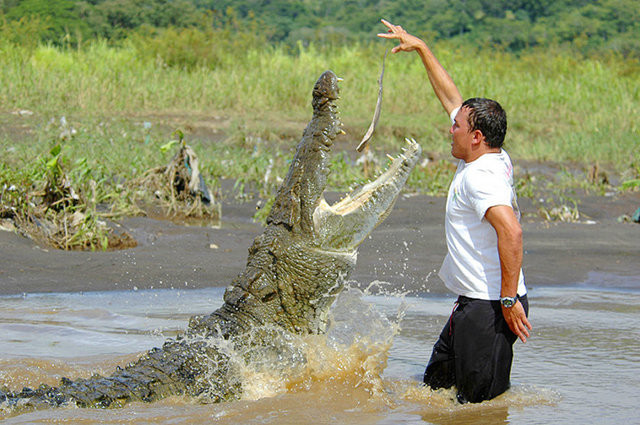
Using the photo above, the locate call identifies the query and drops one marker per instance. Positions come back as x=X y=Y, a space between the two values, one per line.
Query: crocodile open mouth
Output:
x=346 y=223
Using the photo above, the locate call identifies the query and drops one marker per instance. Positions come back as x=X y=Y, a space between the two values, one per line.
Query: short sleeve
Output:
x=485 y=189
x=453 y=114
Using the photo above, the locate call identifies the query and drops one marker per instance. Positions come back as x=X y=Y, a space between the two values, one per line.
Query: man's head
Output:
x=487 y=116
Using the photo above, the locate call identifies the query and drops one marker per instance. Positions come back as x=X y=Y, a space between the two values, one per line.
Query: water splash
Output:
x=269 y=361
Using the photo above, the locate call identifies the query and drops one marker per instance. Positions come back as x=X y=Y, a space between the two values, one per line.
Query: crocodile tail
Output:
x=29 y=399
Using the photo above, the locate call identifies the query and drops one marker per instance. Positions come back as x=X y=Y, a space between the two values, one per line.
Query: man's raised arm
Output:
x=442 y=83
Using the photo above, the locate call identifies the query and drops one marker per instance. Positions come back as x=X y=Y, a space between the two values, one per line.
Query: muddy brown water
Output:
x=581 y=364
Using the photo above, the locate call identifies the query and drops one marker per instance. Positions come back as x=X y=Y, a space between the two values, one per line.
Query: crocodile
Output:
x=295 y=269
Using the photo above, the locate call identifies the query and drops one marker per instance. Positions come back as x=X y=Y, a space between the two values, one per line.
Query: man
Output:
x=483 y=265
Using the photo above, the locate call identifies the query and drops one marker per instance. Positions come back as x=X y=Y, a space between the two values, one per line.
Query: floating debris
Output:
x=563 y=213
x=179 y=189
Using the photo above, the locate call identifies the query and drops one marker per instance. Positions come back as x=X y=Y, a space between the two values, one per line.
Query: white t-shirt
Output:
x=472 y=265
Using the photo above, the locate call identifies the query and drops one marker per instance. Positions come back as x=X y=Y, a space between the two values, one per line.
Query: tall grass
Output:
x=560 y=107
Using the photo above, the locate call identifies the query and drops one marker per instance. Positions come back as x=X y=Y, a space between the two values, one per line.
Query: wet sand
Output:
x=406 y=251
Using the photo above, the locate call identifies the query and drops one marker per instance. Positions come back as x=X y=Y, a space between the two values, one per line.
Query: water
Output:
x=580 y=366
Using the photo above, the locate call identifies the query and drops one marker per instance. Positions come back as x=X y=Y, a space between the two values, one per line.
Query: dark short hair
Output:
x=487 y=116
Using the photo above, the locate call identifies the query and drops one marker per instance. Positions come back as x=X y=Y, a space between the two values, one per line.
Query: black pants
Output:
x=474 y=351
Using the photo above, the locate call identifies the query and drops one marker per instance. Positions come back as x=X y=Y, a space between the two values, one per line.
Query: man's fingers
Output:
x=522 y=327
x=396 y=32
x=518 y=322
x=520 y=330
x=524 y=322
x=393 y=28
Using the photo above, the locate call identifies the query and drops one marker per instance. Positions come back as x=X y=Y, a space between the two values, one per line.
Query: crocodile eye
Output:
x=270 y=296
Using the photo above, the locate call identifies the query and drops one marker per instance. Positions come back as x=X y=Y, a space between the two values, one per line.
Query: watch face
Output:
x=507 y=302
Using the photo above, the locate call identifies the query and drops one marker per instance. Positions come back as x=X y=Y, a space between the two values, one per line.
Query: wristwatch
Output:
x=508 y=302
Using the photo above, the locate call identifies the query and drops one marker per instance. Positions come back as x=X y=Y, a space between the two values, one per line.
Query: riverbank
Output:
x=405 y=251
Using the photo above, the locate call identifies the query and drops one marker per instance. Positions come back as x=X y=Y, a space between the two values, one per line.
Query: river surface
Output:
x=580 y=366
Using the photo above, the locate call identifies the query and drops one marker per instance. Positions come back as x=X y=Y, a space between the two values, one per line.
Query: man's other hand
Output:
x=517 y=321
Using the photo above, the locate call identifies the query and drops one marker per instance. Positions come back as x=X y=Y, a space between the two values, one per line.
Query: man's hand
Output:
x=408 y=42
x=442 y=84
x=517 y=321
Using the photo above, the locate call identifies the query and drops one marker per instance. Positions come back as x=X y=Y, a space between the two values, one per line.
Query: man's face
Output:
x=461 y=135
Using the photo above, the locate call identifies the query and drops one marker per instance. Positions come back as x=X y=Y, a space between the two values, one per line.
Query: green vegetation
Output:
x=560 y=108
x=55 y=208
x=111 y=92
x=515 y=25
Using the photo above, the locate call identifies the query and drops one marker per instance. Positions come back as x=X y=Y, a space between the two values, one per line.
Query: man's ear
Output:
x=478 y=138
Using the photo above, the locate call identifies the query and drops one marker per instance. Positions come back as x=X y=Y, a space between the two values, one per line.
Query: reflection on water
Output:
x=579 y=366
